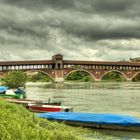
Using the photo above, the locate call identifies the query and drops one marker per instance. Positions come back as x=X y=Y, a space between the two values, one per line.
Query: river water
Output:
x=101 y=97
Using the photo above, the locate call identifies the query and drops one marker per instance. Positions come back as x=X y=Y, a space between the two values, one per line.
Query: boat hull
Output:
x=43 y=109
x=16 y=96
x=102 y=126
x=25 y=102
x=94 y=120
x=48 y=108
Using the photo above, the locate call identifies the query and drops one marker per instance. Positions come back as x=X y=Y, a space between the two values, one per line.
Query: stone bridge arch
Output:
x=71 y=71
x=134 y=75
x=41 y=71
x=114 y=71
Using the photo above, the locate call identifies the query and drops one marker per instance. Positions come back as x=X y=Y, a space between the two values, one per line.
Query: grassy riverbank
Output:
x=18 y=123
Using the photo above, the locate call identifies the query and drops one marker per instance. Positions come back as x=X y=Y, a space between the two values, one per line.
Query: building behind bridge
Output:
x=137 y=59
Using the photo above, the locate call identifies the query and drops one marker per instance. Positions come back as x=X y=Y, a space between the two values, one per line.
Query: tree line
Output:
x=15 y=79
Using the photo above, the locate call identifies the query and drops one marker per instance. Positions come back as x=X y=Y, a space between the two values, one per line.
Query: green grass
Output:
x=17 y=123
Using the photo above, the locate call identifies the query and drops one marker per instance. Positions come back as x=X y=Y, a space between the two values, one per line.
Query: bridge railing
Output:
x=69 y=66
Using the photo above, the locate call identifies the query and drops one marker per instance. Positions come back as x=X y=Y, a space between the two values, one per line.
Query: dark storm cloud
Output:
x=78 y=28
x=105 y=25
x=112 y=5
x=107 y=19
x=95 y=6
x=41 y=4
x=97 y=32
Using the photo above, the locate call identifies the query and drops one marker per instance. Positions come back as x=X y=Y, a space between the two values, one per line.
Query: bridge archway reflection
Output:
x=80 y=75
x=114 y=75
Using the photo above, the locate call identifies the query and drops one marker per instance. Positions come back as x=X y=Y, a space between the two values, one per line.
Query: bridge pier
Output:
x=129 y=79
x=59 y=80
x=59 y=76
x=97 y=80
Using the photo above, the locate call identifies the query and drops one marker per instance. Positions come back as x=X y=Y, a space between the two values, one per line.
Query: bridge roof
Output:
x=123 y=63
x=71 y=62
x=35 y=62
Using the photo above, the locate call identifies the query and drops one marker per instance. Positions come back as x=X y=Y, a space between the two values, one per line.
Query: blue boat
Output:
x=19 y=91
x=95 y=120
x=3 y=89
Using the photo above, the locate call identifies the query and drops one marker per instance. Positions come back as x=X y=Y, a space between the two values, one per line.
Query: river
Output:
x=101 y=97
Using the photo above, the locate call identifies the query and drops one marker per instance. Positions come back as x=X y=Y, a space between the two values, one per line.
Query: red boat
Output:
x=48 y=108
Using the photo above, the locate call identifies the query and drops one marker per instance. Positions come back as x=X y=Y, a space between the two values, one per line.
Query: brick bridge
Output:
x=58 y=69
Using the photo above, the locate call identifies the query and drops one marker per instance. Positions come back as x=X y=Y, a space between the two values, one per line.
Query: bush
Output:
x=14 y=79
x=113 y=76
x=79 y=76
x=39 y=77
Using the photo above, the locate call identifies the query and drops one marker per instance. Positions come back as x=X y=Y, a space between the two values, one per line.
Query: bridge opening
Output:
x=113 y=76
x=37 y=76
x=59 y=65
x=136 y=78
x=79 y=76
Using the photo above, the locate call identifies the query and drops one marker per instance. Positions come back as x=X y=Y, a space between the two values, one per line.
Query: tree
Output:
x=39 y=77
x=14 y=79
x=79 y=76
x=113 y=76
x=136 y=78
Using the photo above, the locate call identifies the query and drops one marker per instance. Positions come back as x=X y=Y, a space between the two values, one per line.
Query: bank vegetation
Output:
x=17 y=123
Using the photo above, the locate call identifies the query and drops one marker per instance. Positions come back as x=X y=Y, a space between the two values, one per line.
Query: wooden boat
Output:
x=48 y=108
x=21 y=101
x=25 y=102
x=94 y=120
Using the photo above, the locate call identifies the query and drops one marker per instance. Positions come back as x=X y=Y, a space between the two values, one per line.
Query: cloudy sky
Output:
x=78 y=29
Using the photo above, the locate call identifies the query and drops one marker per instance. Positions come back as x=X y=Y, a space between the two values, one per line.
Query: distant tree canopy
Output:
x=85 y=77
x=113 y=76
x=136 y=78
x=38 y=77
x=79 y=76
x=14 y=79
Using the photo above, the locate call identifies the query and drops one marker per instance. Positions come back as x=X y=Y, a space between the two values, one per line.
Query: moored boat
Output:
x=94 y=120
x=3 y=89
x=19 y=91
x=48 y=108
x=25 y=102
x=10 y=93
x=13 y=96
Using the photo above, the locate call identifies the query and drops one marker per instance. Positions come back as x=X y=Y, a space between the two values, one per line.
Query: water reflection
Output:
x=122 y=98
x=100 y=85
